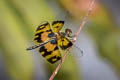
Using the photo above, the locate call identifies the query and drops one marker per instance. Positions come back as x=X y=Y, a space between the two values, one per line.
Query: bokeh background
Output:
x=99 y=39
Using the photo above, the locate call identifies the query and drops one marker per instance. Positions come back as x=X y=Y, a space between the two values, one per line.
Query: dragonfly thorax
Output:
x=66 y=33
x=59 y=35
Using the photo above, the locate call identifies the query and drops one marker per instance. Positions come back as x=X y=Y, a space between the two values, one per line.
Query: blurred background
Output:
x=99 y=39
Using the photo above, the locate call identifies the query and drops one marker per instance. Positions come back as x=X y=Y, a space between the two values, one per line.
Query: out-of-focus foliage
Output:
x=18 y=22
x=106 y=34
x=19 y=19
x=102 y=28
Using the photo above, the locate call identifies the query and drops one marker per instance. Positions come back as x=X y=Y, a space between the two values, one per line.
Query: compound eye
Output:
x=68 y=31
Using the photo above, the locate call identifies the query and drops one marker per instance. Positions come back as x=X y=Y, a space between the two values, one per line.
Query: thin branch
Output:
x=74 y=39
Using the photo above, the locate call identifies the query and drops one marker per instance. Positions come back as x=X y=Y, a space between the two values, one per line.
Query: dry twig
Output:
x=74 y=39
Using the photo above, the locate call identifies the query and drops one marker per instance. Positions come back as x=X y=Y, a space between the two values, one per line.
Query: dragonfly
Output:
x=49 y=38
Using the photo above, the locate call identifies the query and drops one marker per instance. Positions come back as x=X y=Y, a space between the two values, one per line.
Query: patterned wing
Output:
x=64 y=43
x=43 y=33
x=51 y=51
x=57 y=26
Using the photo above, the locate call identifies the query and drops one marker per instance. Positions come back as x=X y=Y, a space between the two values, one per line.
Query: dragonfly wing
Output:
x=50 y=51
x=64 y=43
x=57 y=26
x=43 y=33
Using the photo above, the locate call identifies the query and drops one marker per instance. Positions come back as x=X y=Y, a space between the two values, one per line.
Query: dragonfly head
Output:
x=68 y=32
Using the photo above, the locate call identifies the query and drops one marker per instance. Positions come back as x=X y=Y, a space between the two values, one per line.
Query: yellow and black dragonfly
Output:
x=48 y=39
